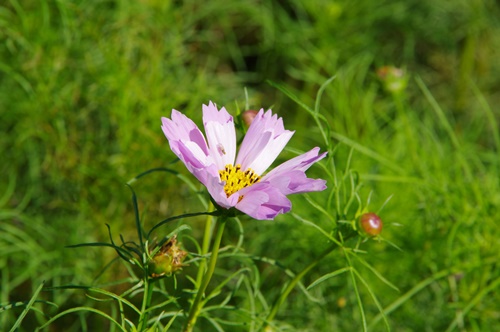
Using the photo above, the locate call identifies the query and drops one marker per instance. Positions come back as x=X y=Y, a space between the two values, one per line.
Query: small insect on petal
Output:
x=371 y=224
x=220 y=149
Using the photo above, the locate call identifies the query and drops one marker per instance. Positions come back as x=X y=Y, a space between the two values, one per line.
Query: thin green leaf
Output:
x=171 y=321
x=316 y=115
x=291 y=95
x=372 y=294
x=221 y=284
x=405 y=297
x=77 y=309
x=161 y=304
x=137 y=218
x=328 y=276
x=375 y=272
x=10 y=305
x=319 y=94
x=122 y=252
x=176 y=231
x=187 y=215
x=356 y=291
x=115 y=246
x=27 y=308
x=322 y=231
x=370 y=153
x=115 y=297
x=157 y=169
x=289 y=273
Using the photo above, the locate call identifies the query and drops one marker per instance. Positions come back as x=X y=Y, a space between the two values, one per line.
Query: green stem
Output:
x=205 y=246
x=197 y=304
x=146 y=302
x=291 y=285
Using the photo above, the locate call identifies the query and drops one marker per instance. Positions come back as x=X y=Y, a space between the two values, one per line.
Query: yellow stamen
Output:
x=236 y=179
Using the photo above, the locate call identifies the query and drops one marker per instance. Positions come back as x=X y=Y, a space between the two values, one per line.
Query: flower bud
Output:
x=167 y=260
x=393 y=79
x=248 y=116
x=371 y=224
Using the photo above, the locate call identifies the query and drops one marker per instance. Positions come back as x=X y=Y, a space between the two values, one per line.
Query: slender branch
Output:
x=197 y=304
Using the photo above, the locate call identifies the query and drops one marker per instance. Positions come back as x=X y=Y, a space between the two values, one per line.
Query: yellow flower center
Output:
x=236 y=179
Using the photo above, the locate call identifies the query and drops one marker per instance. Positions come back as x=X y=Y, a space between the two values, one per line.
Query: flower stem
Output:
x=197 y=304
x=205 y=247
x=146 y=302
x=291 y=285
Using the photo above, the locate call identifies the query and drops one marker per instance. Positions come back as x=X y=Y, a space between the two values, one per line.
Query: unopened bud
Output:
x=371 y=224
x=248 y=116
x=393 y=79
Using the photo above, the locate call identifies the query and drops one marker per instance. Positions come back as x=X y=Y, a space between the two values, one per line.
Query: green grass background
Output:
x=83 y=85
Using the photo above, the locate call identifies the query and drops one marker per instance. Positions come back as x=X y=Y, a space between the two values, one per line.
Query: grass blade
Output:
x=27 y=309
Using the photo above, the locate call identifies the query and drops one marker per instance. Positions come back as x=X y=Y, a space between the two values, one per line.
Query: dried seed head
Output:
x=167 y=260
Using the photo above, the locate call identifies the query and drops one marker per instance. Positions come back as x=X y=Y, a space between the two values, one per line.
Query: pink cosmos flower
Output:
x=238 y=180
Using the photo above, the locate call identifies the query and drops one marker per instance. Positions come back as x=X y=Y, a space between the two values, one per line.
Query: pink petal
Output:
x=188 y=143
x=215 y=188
x=294 y=182
x=263 y=202
x=183 y=128
x=301 y=163
x=263 y=142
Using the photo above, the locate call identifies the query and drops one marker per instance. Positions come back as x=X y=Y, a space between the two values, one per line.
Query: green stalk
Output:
x=291 y=285
x=197 y=304
x=205 y=246
x=146 y=302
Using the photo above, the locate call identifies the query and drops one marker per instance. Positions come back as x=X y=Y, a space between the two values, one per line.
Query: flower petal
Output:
x=294 y=182
x=262 y=201
x=182 y=128
x=215 y=188
x=188 y=143
x=221 y=135
x=290 y=177
x=300 y=163
x=263 y=142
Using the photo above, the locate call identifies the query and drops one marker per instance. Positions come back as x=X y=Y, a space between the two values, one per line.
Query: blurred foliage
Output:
x=83 y=85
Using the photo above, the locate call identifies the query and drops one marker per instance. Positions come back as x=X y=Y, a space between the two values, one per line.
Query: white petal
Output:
x=221 y=135
x=263 y=142
x=222 y=142
x=270 y=152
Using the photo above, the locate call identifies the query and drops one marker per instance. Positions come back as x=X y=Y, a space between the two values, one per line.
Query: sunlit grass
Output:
x=84 y=84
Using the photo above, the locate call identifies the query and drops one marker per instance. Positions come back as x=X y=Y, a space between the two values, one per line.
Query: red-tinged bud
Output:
x=248 y=116
x=371 y=224
x=393 y=79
